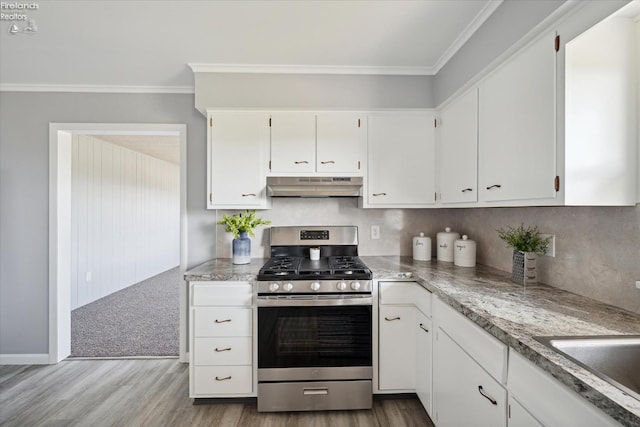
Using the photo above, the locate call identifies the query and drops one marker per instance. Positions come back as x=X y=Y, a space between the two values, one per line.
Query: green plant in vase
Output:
x=241 y=225
x=526 y=242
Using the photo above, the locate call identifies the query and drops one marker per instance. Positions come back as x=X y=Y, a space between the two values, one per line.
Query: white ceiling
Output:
x=163 y=147
x=149 y=43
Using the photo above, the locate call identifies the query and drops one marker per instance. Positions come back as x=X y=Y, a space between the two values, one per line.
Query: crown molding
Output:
x=19 y=87
x=466 y=34
x=311 y=69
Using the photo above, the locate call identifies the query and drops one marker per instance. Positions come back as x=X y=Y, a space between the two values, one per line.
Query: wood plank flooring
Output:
x=154 y=392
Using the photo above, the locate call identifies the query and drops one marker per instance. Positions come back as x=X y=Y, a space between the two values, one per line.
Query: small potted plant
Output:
x=526 y=243
x=241 y=225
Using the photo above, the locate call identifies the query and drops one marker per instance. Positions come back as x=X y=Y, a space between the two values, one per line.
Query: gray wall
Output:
x=313 y=91
x=24 y=194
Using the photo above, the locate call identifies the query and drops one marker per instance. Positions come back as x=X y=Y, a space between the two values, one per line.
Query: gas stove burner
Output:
x=290 y=255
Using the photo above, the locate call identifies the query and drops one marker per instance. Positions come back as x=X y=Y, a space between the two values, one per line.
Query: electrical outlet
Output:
x=638 y=284
x=551 y=249
x=375 y=232
x=88 y=276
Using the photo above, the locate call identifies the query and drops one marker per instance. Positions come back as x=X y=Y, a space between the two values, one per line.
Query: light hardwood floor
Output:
x=154 y=393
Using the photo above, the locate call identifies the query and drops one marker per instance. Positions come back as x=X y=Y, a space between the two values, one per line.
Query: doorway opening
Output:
x=72 y=269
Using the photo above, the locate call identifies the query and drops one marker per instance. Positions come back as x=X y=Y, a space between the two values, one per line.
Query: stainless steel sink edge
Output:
x=547 y=341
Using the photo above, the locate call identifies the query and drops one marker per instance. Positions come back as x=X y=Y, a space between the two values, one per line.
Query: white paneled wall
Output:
x=125 y=218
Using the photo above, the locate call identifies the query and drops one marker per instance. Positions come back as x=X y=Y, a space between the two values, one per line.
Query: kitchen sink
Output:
x=614 y=358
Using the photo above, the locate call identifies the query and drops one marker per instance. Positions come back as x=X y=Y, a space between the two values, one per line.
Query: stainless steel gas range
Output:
x=314 y=322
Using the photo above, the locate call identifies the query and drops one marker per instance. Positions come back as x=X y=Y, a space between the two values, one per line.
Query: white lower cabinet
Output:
x=520 y=417
x=548 y=401
x=424 y=354
x=397 y=348
x=465 y=394
x=469 y=371
x=221 y=349
x=405 y=340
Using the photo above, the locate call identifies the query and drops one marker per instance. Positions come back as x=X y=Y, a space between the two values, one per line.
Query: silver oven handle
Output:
x=312 y=300
x=316 y=391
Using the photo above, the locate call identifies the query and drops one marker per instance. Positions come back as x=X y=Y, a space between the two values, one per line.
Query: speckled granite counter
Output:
x=511 y=313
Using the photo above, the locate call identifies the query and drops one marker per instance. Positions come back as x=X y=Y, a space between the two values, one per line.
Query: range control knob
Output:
x=342 y=285
x=355 y=285
x=287 y=287
x=315 y=286
x=273 y=287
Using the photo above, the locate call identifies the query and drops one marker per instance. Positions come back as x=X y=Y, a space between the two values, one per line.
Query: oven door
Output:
x=315 y=342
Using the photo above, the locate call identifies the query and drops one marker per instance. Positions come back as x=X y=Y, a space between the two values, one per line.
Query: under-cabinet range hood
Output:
x=316 y=186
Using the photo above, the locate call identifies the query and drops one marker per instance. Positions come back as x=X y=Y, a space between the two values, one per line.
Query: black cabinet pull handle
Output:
x=489 y=398
x=248 y=194
x=327 y=162
x=223 y=349
x=223 y=379
x=297 y=162
x=223 y=321
x=494 y=186
x=423 y=328
x=379 y=194
x=390 y=319
x=467 y=189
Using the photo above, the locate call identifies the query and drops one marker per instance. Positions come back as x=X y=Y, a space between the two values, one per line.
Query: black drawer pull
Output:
x=392 y=318
x=467 y=189
x=223 y=379
x=219 y=350
x=423 y=328
x=489 y=398
x=327 y=162
x=494 y=186
x=223 y=321
x=297 y=162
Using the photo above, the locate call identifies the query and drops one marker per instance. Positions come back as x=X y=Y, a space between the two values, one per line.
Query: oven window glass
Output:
x=291 y=337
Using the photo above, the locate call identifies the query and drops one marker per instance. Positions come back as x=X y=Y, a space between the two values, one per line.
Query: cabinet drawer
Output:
x=222 y=351
x=222 y=293
x=409 y=293
x=485 y=349
x=222 y=380
x=221 y=322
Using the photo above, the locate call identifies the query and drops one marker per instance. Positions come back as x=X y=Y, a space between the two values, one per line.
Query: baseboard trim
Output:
x=24 y=359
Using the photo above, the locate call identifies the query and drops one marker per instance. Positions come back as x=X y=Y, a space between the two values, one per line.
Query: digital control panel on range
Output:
x=314 y=234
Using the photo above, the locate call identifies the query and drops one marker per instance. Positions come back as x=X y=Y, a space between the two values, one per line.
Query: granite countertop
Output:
x=512 y=313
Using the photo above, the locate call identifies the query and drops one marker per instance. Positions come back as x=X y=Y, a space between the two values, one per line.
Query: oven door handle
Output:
x=313 y=301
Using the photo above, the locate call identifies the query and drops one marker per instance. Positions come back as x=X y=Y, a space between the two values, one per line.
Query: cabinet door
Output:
x=517 y=143
x=238 y=156
x=457 y=148
x=423 y=360
x=464 y=394
x=397 y=342
x=519 y=417
x=401 y=149
x=293 y=142
x=340 y=142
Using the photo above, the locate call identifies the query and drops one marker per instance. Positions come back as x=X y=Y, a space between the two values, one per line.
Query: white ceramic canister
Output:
x=422 y=248
x=464 y=252
x=444 y=241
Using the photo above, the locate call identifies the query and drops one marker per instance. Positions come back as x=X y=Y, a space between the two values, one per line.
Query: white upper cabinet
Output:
x=340 y=143
x=457 y=150
x=517 y=134
x=238 y=152
x=400 y=160
x=325 y=142
x=601 y=116
x=293 y=142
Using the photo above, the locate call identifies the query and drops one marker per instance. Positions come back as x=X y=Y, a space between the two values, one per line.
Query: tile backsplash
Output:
x=597 y=248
